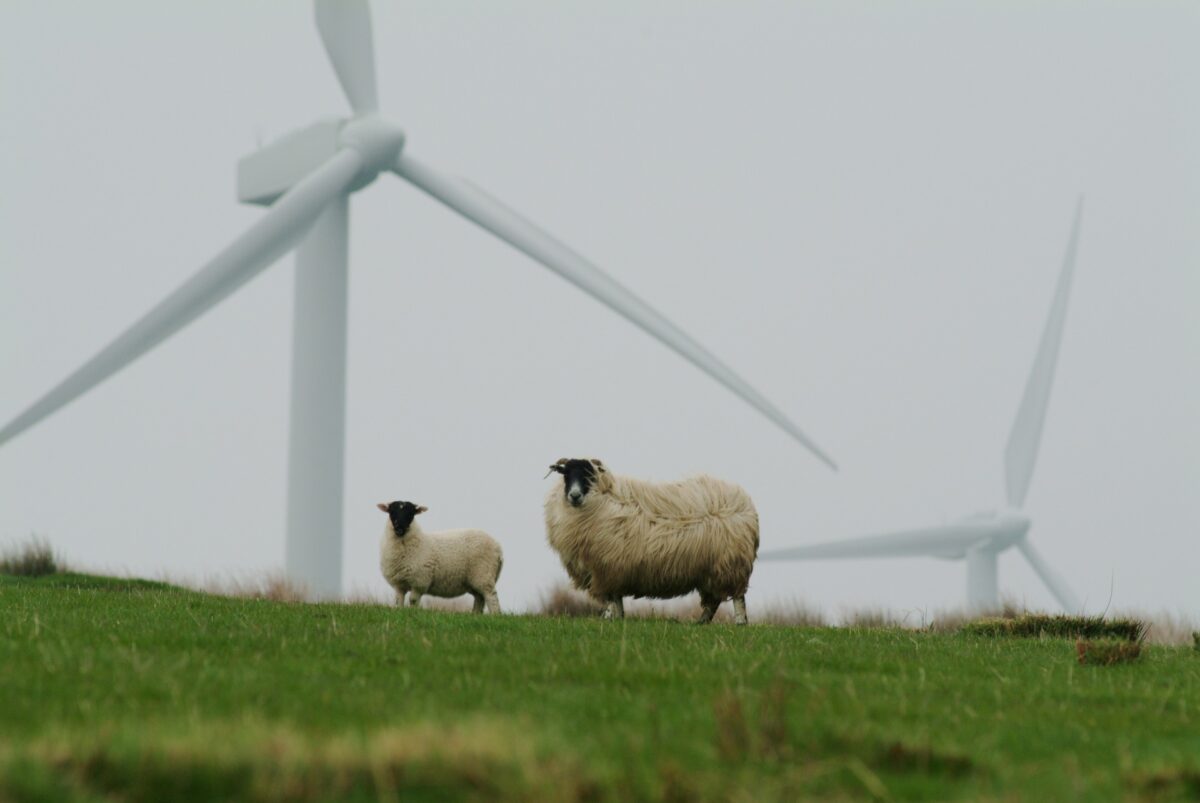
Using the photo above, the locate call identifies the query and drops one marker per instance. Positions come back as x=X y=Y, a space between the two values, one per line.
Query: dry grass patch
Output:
x=1106 y=652
x=32 y=558
x=1169 y=784
x=480 y=760
x=1040 y=625
x=902 y=757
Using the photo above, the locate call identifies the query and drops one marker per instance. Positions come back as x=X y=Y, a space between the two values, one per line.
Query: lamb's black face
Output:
x=401 y=514
x=579 y=477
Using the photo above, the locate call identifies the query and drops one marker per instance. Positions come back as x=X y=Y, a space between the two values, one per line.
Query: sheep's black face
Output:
x=401 y=514
x=579 y=477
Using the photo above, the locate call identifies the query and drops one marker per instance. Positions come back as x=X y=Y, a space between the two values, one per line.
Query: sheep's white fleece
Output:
x=443 y=564
x=636 y=538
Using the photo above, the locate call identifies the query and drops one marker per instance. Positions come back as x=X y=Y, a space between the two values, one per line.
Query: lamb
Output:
x=618 y=537
x=445 y=564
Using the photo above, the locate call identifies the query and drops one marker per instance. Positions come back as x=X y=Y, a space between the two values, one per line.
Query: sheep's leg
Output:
x=414 y=599
x=493 y=601
x=739 y=610
x=615 y=609
x=708 y=609
x=478 y=607
x=400 y=598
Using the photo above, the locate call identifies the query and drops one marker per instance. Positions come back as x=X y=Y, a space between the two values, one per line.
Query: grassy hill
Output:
x=133 y=690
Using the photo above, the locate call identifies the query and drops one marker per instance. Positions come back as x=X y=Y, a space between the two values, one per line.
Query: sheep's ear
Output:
x=421 y=509
x=383 y=506
x=597 y=464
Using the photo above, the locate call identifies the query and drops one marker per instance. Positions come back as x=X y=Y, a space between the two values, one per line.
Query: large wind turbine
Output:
x=981 y=538
x=306 y=179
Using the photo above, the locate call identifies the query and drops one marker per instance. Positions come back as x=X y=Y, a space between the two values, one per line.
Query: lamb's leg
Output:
x=739 y=610
x=414 y=599
x=478 y=607
x=708 y=608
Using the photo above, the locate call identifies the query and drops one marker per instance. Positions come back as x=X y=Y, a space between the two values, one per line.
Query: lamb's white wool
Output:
x=618 y=536
x=443 y=564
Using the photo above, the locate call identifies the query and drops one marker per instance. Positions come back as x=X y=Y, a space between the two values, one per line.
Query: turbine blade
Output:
x=946 y=540
x=1026 y=436
x=1053 y=582
x=489 y=213
x=260 y=245
x=345 y=28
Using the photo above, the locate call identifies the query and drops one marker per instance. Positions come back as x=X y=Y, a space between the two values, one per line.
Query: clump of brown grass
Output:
x=790 y=613
x=875 y=619
x=471 y=760
x=902 y=757
x=772 y=722
x=32 y=558
x=733 y=735
x=734 y=738
x=952 y=621
x=1040 y=625
x=1177 y=783
x=1164 y=627
x=1106 y=652
x=272 y=586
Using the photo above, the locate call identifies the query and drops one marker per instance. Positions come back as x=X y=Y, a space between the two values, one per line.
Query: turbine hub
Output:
x=377 y=141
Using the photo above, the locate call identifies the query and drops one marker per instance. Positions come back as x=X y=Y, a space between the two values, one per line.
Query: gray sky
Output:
x=861 y=207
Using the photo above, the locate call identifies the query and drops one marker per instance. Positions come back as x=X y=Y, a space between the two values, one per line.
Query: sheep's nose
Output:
x=576 y=497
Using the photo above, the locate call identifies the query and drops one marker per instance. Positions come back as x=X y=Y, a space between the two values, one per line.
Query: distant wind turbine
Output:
x=979 y=539
x=306 y=179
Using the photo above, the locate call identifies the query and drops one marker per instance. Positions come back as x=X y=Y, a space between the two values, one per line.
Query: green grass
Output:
x=139 y=691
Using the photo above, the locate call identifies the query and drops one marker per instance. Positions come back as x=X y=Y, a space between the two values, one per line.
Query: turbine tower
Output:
x=305 y=179
x=979 y=539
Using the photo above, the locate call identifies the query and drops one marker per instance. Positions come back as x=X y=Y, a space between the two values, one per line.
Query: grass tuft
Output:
x=733 y=734
x=1196 y=641
x=272 y=586
x=901 y=757
x=1106 y=652
x=1182 y=783
x=33 y=558
x=472 y=760
x=1040 y=625
x=773 y=723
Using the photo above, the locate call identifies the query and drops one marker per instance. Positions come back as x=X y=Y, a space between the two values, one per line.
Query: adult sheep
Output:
x=618 y=536
x=444 y=564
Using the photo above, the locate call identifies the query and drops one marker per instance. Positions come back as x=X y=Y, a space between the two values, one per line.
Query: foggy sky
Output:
x=862 y=208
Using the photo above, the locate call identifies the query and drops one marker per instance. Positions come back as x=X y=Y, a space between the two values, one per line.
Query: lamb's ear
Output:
x=420 y=509
x=383 y=506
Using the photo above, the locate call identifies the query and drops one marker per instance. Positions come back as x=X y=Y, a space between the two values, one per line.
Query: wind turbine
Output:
x=306 y=179
x=979 y=539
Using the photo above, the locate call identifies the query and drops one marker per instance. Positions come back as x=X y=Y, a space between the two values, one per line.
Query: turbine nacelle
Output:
x=376 y=140
x=998 y=530
x=274 y=169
